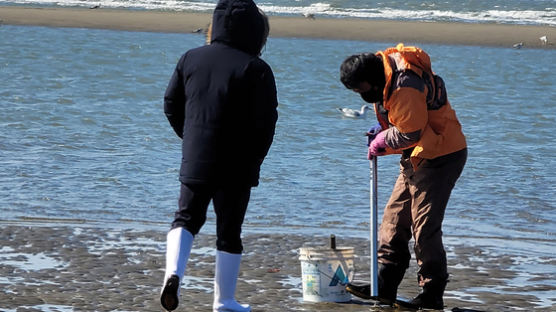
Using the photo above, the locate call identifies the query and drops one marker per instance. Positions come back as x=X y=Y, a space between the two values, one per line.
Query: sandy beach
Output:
x=92 y=268
x=300 y=27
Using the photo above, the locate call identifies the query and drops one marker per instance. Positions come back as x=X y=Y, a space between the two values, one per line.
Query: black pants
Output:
x=230 y=204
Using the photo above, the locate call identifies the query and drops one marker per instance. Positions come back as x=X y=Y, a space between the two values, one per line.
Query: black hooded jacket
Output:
x=221 y=100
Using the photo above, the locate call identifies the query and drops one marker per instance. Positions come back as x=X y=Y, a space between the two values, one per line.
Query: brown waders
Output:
x=416 y=208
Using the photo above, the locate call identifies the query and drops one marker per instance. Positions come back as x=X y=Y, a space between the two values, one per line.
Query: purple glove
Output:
x=371 y=134
x=378 y=146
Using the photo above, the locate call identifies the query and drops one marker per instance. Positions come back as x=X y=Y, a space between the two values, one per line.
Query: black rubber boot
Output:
x=361 y=290
x=389 y=278
x=431 y=296
x=169 y=296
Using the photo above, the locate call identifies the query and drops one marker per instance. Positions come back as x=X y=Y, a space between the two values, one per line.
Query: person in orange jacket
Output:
x=416 y=120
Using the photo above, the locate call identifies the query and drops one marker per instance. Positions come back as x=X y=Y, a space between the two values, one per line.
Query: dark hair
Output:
x=266 y=30
x=362 y=67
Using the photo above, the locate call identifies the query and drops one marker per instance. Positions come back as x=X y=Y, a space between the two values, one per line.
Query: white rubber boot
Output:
x=225 y=279
x=178 y=247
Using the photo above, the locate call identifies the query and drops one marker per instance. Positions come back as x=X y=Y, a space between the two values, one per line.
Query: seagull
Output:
x=544 y=39
x=95 y=7
x=518 y=45
x=352 y=113
x=309 y=15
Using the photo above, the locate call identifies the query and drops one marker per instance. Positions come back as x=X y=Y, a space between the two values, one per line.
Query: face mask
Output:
x=372 y=96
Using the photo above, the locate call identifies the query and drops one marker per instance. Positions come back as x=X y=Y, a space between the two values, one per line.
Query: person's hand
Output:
x=377 y=146
x=371 y=134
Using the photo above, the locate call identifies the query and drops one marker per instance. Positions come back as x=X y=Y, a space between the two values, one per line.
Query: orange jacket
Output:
x=413 y=108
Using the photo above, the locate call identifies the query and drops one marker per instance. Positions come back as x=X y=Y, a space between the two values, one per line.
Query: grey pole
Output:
x=374 y=230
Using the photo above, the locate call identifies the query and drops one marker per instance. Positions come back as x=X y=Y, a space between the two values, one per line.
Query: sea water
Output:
x=83 y=135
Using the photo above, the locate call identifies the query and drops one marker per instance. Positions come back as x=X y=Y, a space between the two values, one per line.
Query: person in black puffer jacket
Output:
x=221 y=100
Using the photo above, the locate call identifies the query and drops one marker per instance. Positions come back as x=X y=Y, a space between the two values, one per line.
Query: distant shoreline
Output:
x=409 y=32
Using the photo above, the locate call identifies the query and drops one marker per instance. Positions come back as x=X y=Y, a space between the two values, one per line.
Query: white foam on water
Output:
x=30 y=262
x=6 y=249
x=135 y=4
x=251 y=281
x=11 y=279
x=460 y=266
x=463 y=296
x=209 y=251
x=293 y=281
x=43 y=308
x=198 y=283
x=544 y=17
x=116 y=240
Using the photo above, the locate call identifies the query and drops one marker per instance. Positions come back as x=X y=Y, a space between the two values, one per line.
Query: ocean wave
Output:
x=546 y=16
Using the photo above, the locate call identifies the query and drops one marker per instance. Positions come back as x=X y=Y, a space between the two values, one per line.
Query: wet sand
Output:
x=300 y=27
x=82 y=268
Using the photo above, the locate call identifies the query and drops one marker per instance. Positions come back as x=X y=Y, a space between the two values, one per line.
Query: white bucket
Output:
x=325 y=273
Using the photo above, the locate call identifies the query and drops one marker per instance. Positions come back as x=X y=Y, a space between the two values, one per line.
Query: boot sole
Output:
x=169 y=297
x=357 y=293
x=400 y=303
x=366 y=296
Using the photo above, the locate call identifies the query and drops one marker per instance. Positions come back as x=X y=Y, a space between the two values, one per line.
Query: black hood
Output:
x=238 y=23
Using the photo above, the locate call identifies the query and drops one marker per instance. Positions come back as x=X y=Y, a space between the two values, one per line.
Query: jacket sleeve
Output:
x=398 y=140
x=264 y=105
x=174 y=99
